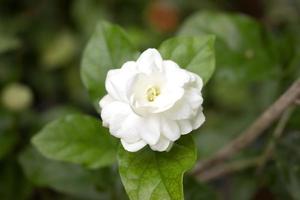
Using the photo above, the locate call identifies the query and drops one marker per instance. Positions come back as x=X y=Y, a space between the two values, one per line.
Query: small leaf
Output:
x=193 y=53
x=108 y=48
x=63 y=177
x=150 y=175
x=78 y=139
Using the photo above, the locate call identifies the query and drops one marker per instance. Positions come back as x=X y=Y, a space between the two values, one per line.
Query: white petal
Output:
x=105 y=101
x=185 y=126
x=128 y=130
x=199 y=120
x=174 y=74
x=119 y=80
x=194 y=98
x=166 y=99
x=107 y=112
x=170 y=129
x=181 y=110
x=133 y=147
x=113 y=114
x=149 y=130
x=149 y=61
x=162 y=145
x=187 y=106
x=196 y=81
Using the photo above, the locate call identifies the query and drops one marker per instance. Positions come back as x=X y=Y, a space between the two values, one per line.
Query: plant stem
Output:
x=256 y=129
x=227 y=168
x=276 y=135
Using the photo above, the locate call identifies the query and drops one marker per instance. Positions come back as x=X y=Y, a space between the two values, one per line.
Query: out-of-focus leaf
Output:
x=242 y=186
x=59 y=50
x=287 y=157
x=154 y=175
x=57 y=112
x=7 y=143
x=218 y=130
x=8 y=43
x=193 y=53
x=79 y=139
x=108 y=48
x=244 y=63
x=87 y=20
x=281 y=11
x=13 y=185
x=195 y=190
x=63 y=177
x=8 y=137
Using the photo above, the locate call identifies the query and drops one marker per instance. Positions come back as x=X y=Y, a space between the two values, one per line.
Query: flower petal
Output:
x=105 y=101
x=113 y=114
x=128 y=130
x=166 y=99
x=199 y=120
x=149 y=61
x=149 y=130
x=119 y=80
x=174 y=74
x=170 y=129
x=133 y=147
x=185 y=126
x=162 y=145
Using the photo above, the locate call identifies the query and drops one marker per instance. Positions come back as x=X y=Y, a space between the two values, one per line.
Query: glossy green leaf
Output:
x=63 y=177
x=79 y=139
x=193 y=53
x=108 y=48
x=150 y=175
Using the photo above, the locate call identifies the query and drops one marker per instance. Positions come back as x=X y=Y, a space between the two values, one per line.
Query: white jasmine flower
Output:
x=151 y=101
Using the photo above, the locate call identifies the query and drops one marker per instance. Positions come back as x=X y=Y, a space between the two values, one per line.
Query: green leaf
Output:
x=79 y=139
x=244 y=59
x=240 y=43
x=193 y=53
x=150 y=175
x=108 y=48
x=63 y=177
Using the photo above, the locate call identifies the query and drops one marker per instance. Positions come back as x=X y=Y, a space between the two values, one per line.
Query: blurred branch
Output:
x=254 y=130
x=227 y=168
x=297 y=101
x=267 y=154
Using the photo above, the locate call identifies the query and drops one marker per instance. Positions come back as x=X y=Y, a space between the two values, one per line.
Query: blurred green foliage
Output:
x=257 y=58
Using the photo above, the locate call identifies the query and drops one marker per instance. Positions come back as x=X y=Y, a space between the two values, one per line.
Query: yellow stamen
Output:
x=152 y=93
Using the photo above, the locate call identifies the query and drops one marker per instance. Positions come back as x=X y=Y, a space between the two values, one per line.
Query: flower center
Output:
x=152 y=93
